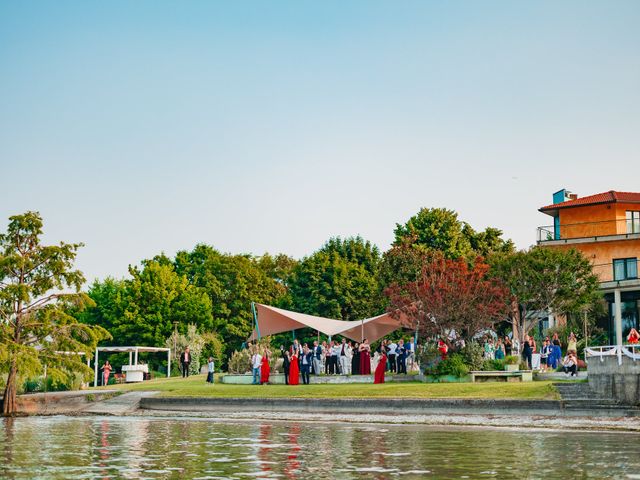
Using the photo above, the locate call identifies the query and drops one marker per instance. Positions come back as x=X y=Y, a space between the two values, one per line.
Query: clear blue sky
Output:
x=146 y=126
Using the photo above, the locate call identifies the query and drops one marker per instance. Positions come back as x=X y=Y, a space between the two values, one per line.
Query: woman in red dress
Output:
x=265 y=369
x=294 y=370
x=365 y=358
x=634 y=337
x=382 y=366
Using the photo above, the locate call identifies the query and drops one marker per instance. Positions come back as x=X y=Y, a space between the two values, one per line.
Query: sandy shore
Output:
x=493 y=421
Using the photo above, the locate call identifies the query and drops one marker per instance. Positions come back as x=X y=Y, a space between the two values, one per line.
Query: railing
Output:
x=631 y=351
x=623 y=269
x=622 y=226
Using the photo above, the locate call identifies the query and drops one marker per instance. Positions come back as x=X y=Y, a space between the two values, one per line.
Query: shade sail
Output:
x=272 y=320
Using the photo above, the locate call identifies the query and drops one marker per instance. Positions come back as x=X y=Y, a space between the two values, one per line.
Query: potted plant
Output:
x=512 y=363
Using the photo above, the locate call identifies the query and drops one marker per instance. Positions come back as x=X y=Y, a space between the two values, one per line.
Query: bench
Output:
x=501 y=376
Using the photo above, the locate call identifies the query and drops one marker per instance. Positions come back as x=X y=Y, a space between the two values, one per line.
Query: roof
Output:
x=272 y=320
x=132 y=349
x=600 y=198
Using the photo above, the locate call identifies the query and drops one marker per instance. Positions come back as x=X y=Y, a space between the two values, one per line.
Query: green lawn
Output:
x=197 y=387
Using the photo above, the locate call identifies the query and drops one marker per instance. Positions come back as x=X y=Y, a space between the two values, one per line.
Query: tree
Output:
x=142 y=310
x=440 y=229
x=543 y=281
x=35 y=304
x=338 y=281
x=449 y=295
x=232 y=282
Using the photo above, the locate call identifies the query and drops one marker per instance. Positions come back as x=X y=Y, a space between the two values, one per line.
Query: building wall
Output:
x=578 y=222
x=601 y=254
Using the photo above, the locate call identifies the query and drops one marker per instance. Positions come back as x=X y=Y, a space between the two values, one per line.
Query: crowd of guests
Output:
x=300 y=361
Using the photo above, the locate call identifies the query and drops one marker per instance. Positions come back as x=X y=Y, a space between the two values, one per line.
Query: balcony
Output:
x=621 y=272
x=608 y=230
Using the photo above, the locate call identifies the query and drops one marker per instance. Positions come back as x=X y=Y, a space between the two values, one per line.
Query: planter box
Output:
x=511 y=368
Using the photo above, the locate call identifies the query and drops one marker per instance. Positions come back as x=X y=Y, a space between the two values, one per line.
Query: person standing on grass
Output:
x=390 y=352
x=365 y=358
x=286 y=364
x=634 y=337
x=499 y=353
x=545 y=355
x=256 y=364
x=507 y=346
x=317 y=358
x=185 y=361
x=572 y=343
x=265 y=368
x=294 y=370
x=210 y=370
x=527 y=352
x=305 y=363
x=355 y=360
x=378 y=376
x=345 y=360
x=106 y=372
x=401 y=357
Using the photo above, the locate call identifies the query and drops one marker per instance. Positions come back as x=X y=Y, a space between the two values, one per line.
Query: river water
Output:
x=184 y=448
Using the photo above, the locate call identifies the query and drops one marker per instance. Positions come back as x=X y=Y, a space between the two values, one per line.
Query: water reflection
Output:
x=64 y=447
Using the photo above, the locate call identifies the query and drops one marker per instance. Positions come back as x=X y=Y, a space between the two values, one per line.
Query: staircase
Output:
x=578 y=396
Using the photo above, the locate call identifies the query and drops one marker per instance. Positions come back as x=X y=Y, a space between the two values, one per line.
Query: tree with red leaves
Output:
x=450 y=295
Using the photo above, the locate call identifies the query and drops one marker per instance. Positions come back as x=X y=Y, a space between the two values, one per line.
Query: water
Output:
x=138 y=447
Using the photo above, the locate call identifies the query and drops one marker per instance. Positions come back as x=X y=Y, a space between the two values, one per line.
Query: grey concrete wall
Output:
x=610 y=380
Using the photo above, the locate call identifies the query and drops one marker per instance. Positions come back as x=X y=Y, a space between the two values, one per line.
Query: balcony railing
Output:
x=548 y=233
x=618 y=270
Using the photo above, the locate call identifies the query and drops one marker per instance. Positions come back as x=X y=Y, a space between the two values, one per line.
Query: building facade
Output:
x=606 y=228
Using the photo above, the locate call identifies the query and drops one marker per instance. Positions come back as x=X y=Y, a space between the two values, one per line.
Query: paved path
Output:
x=119 y=405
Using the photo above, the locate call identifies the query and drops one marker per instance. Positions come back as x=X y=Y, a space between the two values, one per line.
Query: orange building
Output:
x=606 y=228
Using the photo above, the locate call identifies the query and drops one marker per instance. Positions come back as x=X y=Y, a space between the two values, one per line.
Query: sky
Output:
x=150 y=126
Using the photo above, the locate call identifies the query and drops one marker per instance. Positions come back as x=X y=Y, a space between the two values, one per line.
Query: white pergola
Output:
x=133 y=356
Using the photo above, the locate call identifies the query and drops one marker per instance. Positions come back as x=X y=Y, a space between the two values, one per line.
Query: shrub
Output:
x=427 y=356
x=473 y=355
x=511 y=360
x=240 y=361
x=489 y=365
x=454 y=365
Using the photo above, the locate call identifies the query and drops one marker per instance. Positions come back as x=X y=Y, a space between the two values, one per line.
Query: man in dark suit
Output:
x=286 y=363
x=317 y=358
x=401 y=357
x=185 y=361
x=305 y=363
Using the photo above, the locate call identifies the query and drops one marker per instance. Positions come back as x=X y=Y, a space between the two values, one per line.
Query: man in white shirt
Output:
x=391 y=352
x=335 y=354
x=345 y=358
x=256 y=363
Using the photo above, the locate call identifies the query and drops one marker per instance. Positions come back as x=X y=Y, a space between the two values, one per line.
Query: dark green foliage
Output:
x=338 y=281
x=489 y=365
x=473 y=355
x=453 y=365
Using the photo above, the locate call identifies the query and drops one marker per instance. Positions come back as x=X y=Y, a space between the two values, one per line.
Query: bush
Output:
x=428 y=356
x=240 y=361
x=454 y=365
x=512 y=360
x=489 y=365
x=473 y=355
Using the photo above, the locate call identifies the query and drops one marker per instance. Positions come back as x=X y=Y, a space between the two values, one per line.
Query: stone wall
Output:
x=610 y=380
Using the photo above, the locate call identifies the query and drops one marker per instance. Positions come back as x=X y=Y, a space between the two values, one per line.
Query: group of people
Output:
x=551 y=354
x=300 y=361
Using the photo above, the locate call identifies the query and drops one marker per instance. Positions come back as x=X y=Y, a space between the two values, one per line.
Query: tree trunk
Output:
x=9 y=405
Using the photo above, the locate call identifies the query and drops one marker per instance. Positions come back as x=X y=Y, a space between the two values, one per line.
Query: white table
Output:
x=134 y=373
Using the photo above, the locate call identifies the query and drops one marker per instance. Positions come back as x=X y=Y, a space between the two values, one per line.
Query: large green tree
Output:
x=39 y=287
x=142 y=310
x=339 y=280
x=440 y=229
x=232 y=282
x=543 y=281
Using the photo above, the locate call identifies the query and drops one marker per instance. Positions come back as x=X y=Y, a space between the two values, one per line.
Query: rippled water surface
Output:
x=137 y=447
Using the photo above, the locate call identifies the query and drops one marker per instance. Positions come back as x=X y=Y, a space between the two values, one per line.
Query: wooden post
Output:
x=95 y=367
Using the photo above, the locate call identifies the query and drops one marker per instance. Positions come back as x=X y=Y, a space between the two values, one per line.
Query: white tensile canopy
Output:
x=272 y=320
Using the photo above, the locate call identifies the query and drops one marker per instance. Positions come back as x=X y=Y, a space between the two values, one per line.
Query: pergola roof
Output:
x=272 y=320
x=132 y=349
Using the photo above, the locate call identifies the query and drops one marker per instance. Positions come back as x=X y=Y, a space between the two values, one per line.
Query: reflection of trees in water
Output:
x=8 y=425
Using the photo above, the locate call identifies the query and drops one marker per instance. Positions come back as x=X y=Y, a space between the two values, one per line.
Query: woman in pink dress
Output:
x=382 y=366
x=294 y=370
x=265 y=369
x=106 y=372
x=365 y=358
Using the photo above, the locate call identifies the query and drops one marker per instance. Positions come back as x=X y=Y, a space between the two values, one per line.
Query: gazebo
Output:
x=134 y=372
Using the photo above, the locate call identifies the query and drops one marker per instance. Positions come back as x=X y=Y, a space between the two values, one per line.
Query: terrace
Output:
x=586 y=232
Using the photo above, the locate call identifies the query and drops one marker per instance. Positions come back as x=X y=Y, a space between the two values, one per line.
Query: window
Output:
x=633 y=221
x=625 y=268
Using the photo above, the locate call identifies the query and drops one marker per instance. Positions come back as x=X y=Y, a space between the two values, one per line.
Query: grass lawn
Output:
x=196 y=386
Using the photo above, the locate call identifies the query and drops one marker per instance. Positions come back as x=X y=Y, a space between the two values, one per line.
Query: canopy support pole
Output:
x=168 y=363
x=255 y=318
x=362 y=330
x=95 y=368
